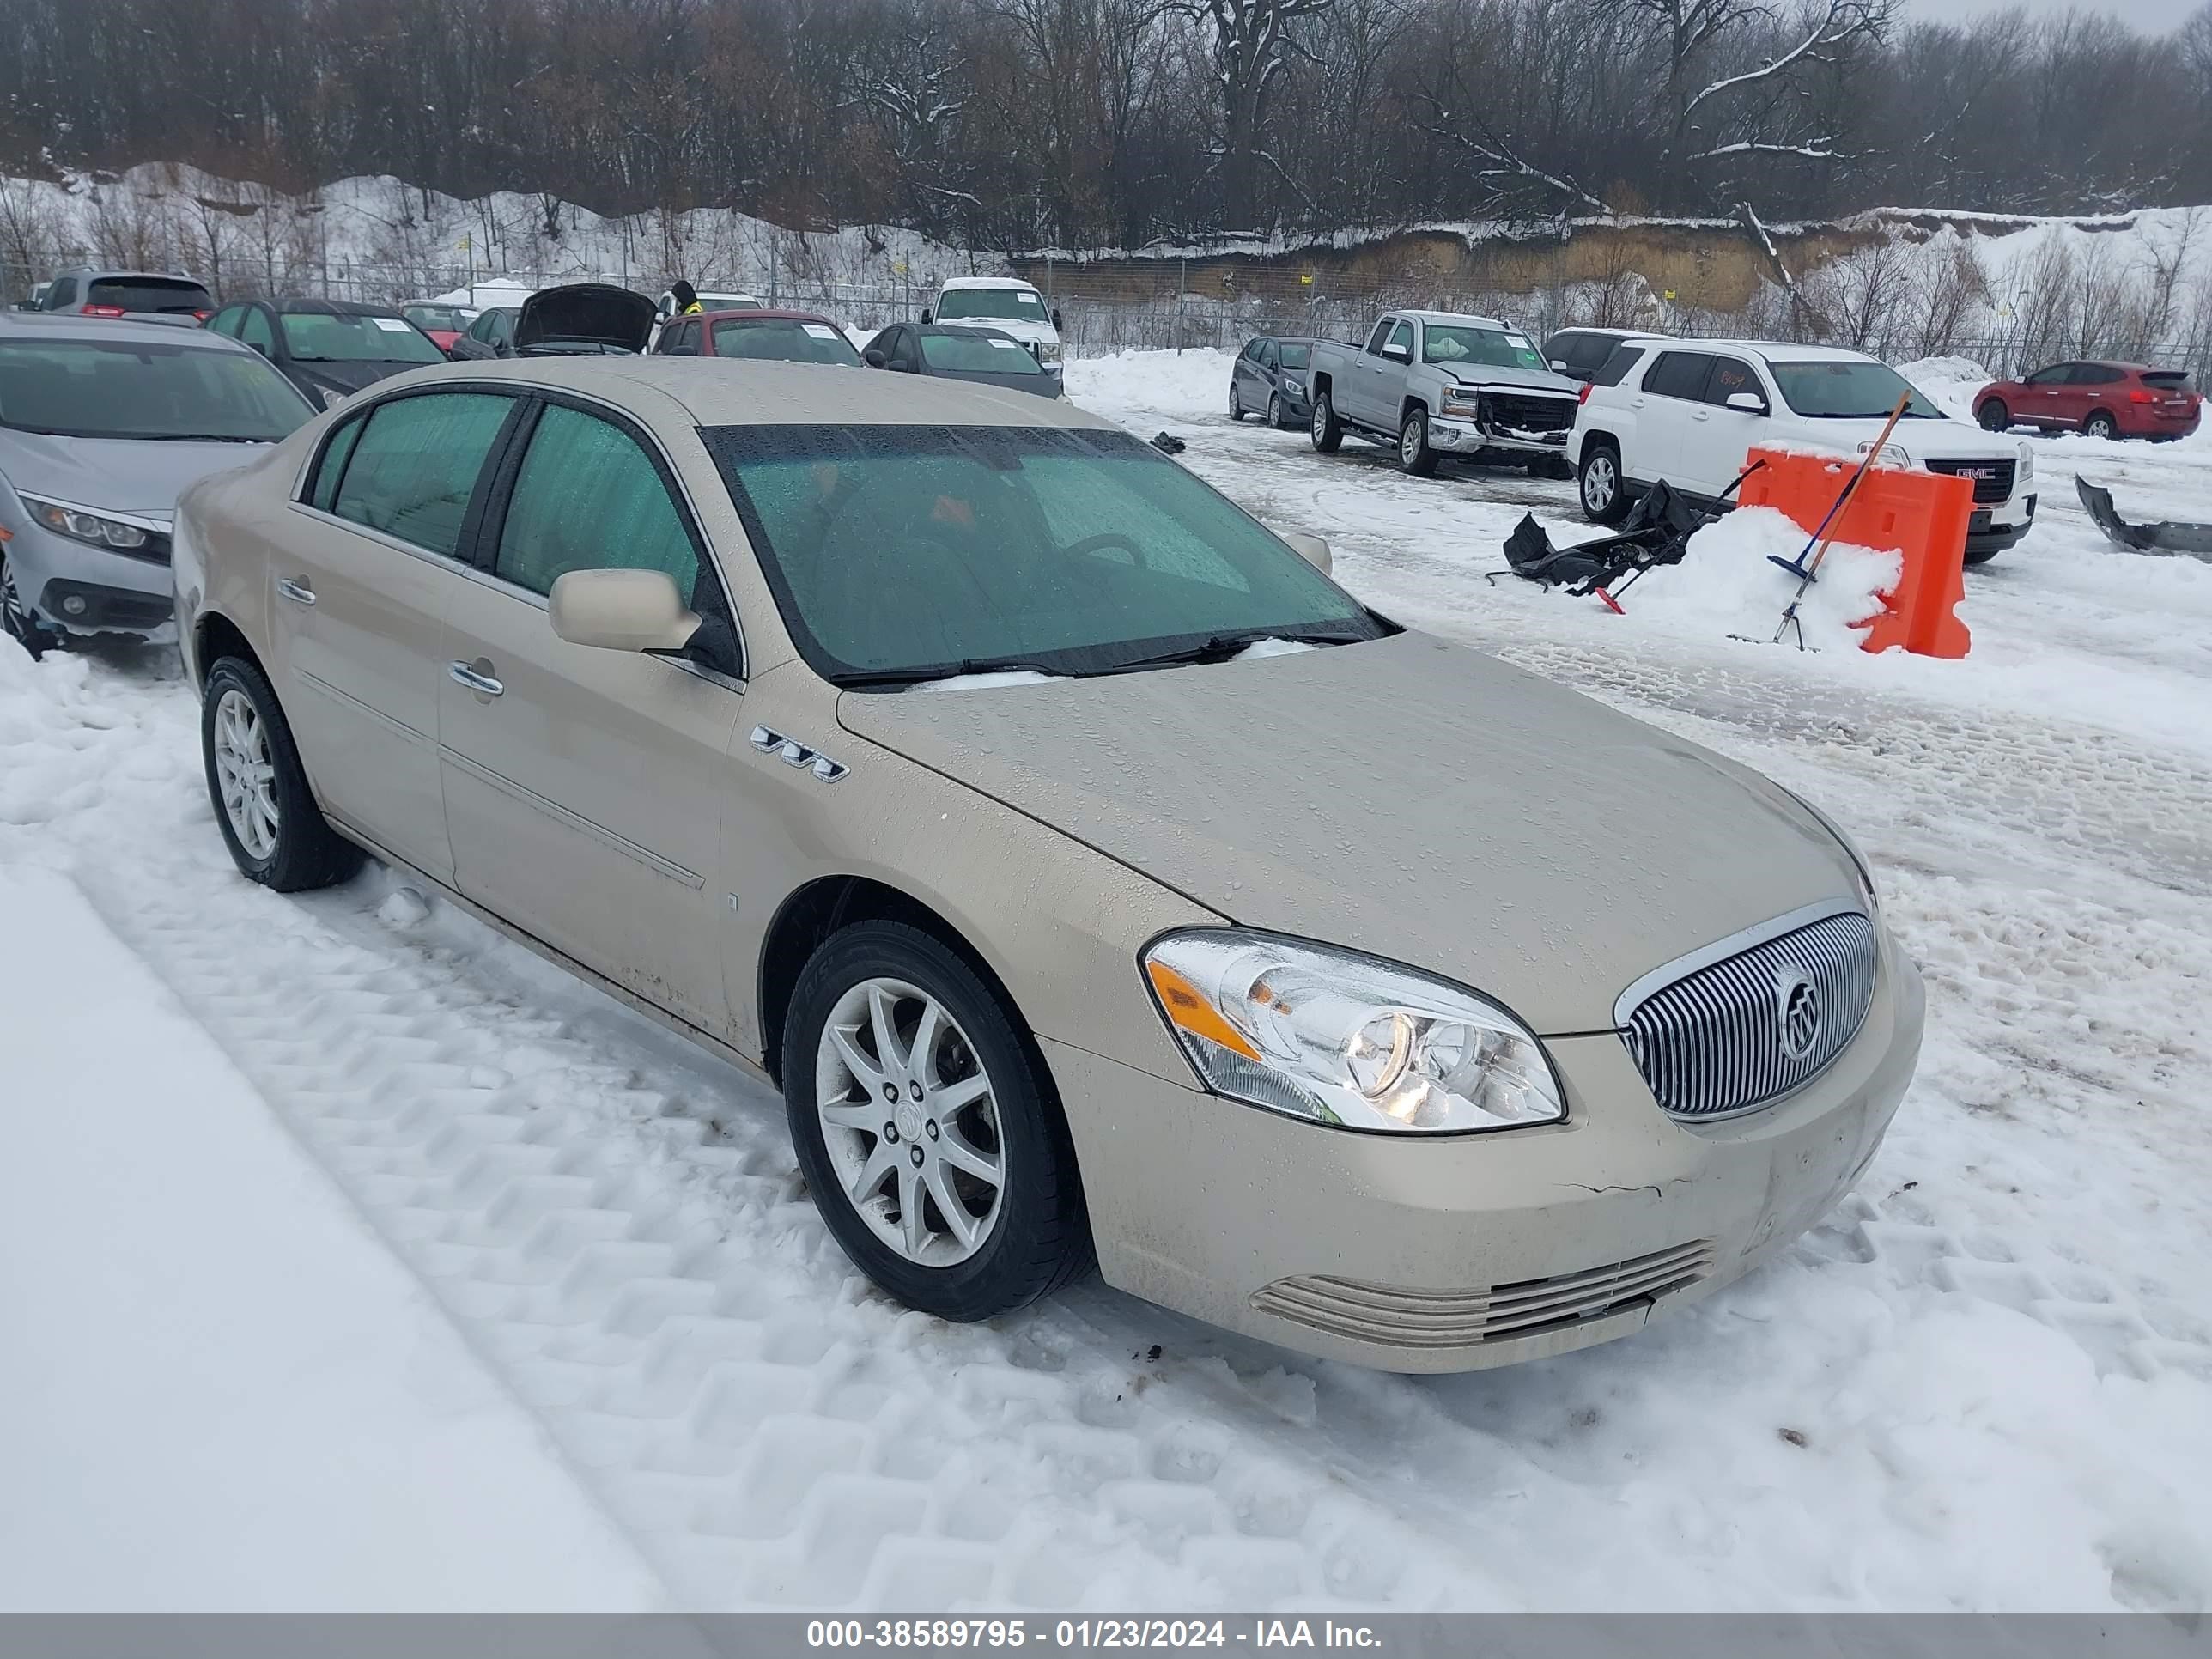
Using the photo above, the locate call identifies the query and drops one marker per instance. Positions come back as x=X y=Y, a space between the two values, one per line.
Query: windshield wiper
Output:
x=198 y=438
x=944 y=671
x=1220 y=647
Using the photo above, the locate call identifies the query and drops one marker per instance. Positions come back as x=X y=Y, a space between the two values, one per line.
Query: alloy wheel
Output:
x=245 y=775
x=14 y=617
x=910 y=1119
x=1274 y=411
x=1409 y=443
x=1599 y=481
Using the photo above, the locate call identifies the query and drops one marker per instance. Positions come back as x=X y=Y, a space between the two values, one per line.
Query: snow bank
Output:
x=1950 y=382
x=1725 y=587
x=1187 y=385
x=235 y=1399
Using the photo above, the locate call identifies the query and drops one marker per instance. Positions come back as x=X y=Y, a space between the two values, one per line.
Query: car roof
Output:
x=68 y=325
x=303 y=305
x=1623 y=334
x=980 y=330
x=741 y=392
x=987 y=282
x=102 y=273
x=758 y=314
x=1423 y=316
x=1780 y=351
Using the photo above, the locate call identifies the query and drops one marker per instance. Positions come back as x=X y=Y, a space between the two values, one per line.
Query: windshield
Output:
x=447 y=319
x=917 y=552
x=112 y=389
x=785 y=340
x=158 y=293
x=317 y=337
x=1017 y=302
x=976 y=354
x=728 y=302
x=1847 y=390
x=1295 y=356
x=1491 y=348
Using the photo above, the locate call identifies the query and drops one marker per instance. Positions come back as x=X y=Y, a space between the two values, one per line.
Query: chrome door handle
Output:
x=298 y=593
x=463 y=673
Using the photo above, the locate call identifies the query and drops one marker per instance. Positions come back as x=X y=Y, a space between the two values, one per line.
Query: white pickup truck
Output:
x=1432 y=384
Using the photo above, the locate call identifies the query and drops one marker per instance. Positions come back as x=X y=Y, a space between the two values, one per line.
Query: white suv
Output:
x=1687 y=412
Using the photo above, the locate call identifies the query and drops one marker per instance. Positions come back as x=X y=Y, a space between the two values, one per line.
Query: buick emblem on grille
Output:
x=1797 y=1014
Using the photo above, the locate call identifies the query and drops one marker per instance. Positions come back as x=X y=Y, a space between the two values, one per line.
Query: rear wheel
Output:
x=2102 y=426
x=1327 y=432
x=928 y=1128
x=15 y=620
x=1414 y=455
x=1993 y=415
x=1598 y=479
x=276 y=834
x=1235 y=403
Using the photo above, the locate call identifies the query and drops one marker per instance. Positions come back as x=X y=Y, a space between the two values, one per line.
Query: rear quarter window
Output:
x=1616 y=368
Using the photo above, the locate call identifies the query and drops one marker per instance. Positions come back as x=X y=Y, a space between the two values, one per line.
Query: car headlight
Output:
x=1346 y=1040
x=1047 y=352
x=2026 y=462
x=1892 y=454
x=1459 y=402
x=80 y=525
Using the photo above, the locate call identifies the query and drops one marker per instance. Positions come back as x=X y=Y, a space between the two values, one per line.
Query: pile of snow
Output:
x=1187 y=385
x=1725 y=586
x=1950 y=383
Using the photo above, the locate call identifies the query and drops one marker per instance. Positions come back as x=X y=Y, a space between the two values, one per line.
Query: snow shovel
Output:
x=1808 y=573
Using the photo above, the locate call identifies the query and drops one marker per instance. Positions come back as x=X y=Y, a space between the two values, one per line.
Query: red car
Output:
x=2105 y=400
x=443 y=323
x=788 y=336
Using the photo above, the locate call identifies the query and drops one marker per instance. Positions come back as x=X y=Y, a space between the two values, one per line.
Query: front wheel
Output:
x=16 y=621
x=927 y=1130
x=1993 y=416
x=2103 y=426
x=1327 y=432
x=1235 y=403
x=1604 y=502
x=1274 y=411
x=276 y=834
x=1414 y=455
x=1982 y=556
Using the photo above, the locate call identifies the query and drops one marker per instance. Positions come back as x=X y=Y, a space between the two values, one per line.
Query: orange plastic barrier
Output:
x=1921 y=515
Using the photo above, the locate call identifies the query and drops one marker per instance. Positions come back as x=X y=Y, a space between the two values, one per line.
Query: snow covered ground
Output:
x=1985 y=1382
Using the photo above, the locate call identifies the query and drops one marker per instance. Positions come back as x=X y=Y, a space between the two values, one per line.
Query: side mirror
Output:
x=1749 y=402
x=1310 y=548
x=1398 y=353
x=1559 y=366
x=1056 y=324
x=873 y=358
x=621 y=610
x=259 y=346
x=925 y=316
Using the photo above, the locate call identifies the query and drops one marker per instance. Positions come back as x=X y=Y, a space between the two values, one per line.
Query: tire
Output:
x=1414 y=455
x=299 y=850
x=2101 y=426
x=1324 y=428
x=1236 y=404
x=1550 y=466
x=15 y=620
x=1274 y=411
x=1994 y=416
x=1597 y=482
x=1033 y=1235
x=1982 y=558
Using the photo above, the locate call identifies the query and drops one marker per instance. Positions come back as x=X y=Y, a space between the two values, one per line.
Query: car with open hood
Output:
x=578 y=320
x=1096 y=876
x=102 y=423
x=329 y=349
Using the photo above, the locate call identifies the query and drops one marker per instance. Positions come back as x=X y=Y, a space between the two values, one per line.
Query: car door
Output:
x=1715 y=438
x=2044 y=396
x=1252 y=386
x=1673 y=391
x=363 y=588
x=583 y=788
x=905 y=353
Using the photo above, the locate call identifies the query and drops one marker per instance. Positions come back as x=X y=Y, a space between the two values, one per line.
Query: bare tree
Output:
x=1249 y=43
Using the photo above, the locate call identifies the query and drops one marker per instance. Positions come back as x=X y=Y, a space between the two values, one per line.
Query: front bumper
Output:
x=1476 y=1251
x=75 y=588
x=1456 y=435
x=1994 y=529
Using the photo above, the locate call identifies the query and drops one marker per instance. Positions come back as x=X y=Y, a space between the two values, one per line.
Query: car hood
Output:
x=1044 y=385
x=1407 y=798
x=140 y=476
x=1514 y=379
x=594 y=313
x=1029 y=334
x=1944 y=440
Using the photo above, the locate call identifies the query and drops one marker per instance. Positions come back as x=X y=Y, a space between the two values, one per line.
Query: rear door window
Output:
x=2095 y=374
x=415 y=464
x=588 y=497
x=1679 y=374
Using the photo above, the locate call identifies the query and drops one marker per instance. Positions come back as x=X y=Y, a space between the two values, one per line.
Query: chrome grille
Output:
x=1719 y=1039
x=1992 y=479
x=1458 y=1319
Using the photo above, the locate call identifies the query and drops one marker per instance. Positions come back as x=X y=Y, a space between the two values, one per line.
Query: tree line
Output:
x=1031 y=124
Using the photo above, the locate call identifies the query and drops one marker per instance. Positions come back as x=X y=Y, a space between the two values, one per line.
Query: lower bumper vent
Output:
x=1396 y=1318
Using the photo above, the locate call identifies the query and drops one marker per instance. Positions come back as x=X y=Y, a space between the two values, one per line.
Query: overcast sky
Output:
x=2152 y=16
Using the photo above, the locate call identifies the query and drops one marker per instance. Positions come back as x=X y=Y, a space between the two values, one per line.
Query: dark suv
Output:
x=2105 y=400
x=1579 y=353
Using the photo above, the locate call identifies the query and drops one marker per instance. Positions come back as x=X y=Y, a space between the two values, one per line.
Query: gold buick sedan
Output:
x=1098 y=879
